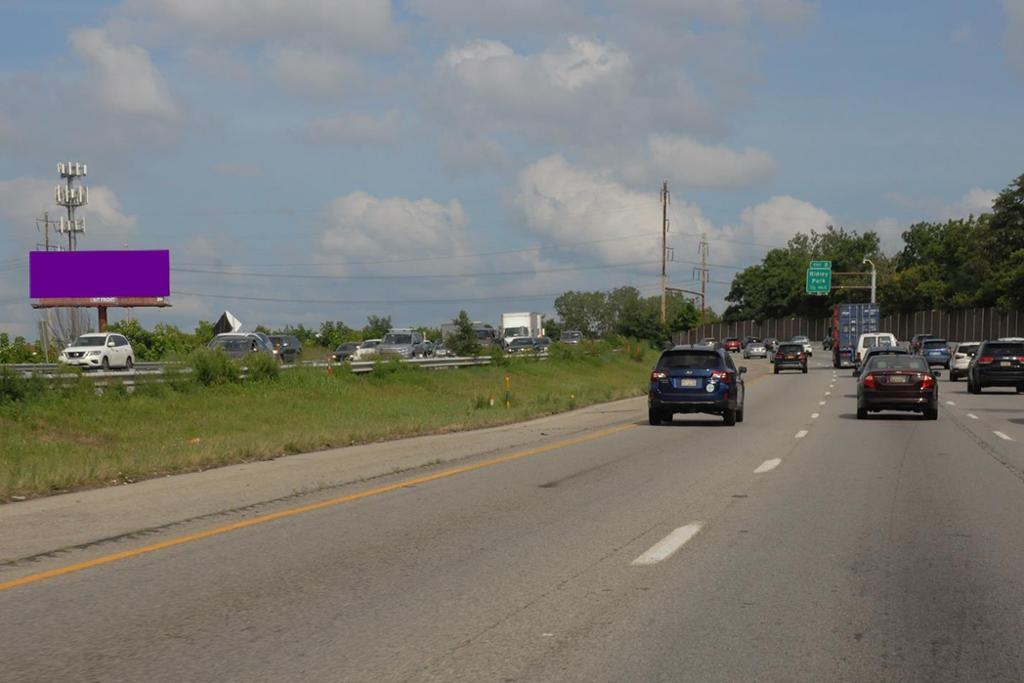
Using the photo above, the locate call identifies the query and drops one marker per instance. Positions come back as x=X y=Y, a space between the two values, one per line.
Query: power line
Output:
x=564 y=245
x=342 y=302
x=317 y=276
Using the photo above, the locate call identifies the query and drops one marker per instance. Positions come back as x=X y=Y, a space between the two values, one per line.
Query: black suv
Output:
x=286 y=346
x=696 y=379
x=997 y=364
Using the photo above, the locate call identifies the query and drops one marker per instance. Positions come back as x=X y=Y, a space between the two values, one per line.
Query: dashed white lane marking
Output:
x=768 y=465
x=821 y=403
x=1002 y=436
x=828 y=393
x=972 y=416
x=950 y=403
x=814 y=416
x=801 y=434
x=666 y=547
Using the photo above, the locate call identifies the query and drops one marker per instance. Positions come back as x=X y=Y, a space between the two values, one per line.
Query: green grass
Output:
x=62 y=439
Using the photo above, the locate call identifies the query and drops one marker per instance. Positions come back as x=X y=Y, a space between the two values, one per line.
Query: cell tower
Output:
x=71 y=197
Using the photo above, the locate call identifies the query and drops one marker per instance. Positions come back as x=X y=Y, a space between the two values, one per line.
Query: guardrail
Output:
x=49 y=370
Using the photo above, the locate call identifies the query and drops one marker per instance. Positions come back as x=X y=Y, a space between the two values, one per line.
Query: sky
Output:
x=306 y=160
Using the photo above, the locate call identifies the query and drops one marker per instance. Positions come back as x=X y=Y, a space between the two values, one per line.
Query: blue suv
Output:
x=696 y=379
x=936 y=352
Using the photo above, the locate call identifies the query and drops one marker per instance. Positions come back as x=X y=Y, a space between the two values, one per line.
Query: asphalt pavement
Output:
x=800 y=545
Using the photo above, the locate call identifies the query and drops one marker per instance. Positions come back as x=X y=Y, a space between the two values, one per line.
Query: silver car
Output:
x=402 y=342
x=755 y=350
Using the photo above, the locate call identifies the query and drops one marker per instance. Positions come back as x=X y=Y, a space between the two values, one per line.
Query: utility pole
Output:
x=71 y=197
x=43 y=225
x=703 y=273
x=665 y=199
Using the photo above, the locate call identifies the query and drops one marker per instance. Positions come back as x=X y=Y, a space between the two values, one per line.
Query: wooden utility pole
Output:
x=664 y=252
x=703 y=274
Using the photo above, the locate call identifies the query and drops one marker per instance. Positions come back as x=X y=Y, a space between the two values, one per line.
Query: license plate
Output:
x=791 y=357
x=898 y=379
x=687 y=382
x=1005 y=364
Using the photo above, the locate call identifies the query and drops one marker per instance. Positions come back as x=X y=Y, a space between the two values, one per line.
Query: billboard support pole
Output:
x=102 y=318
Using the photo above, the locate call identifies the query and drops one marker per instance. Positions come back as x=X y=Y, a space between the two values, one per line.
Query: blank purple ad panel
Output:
x=94 y=274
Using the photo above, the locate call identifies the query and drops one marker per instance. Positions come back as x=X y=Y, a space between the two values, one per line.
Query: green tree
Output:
x=203 y=333
x=775 y=287
x=464 y=341
x=376 y=326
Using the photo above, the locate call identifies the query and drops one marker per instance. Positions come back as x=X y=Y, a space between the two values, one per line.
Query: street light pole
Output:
x=873 y=274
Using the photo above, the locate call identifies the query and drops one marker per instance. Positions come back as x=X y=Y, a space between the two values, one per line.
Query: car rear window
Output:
x=898 y=362
x=870 y=341
x=967 y=348
x=935 y=344
x=791 y=348
x=1004 y=349
x=690 y=359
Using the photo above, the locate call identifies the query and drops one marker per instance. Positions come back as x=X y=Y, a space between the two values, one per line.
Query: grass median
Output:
x=63 y=438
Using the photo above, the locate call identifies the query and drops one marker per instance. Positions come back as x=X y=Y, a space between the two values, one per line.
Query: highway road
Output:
x=801 y=545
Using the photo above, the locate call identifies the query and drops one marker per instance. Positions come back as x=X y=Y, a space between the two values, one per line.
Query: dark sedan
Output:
x=345 y=351
x=997 y=364
x=875 y=351
x=897 y=382
x=790 y=356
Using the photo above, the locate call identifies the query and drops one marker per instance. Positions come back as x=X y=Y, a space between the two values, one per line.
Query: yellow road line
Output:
x=291 y=512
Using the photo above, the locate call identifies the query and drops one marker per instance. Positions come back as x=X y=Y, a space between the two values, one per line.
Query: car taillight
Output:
x=869 y=381
x=858 y=356
x=657 y=375
x=985 y=360
x=721 y=375
x=927 y=382
x=803 y=355
x=779 y=356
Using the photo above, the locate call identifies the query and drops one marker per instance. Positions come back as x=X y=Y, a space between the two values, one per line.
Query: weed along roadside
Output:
x=63 y=436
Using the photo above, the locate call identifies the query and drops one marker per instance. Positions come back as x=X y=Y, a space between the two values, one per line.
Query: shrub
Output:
x=263 y=368
x=211 y=367
x=12 y=386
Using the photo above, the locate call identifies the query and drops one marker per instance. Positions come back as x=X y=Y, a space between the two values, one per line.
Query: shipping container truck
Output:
x=514 y=325
x=849 y=321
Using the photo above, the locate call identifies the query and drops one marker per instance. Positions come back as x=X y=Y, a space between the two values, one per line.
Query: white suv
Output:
x=962 y=359
x=99 y=350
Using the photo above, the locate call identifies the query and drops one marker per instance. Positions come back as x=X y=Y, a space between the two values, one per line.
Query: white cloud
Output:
x=492 y=69
x=725 y=12
x=568 y=204
x=342 y=24
x=491 y=16
x=683 y=160
x=976 y=202
x=780 y=218
x=22 y=200
x=356 y=129
x=126 y=82
x=316 y=73
x=367 y=228
x=555 y=94
x=1013 y=35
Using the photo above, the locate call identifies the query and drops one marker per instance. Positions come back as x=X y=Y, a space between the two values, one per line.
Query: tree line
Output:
x=974 y=262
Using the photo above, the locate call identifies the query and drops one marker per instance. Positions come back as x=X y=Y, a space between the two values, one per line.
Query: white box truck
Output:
x=514 y=325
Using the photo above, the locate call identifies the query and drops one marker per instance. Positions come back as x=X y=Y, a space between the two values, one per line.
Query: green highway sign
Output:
x=819 y=280
x=821 y=265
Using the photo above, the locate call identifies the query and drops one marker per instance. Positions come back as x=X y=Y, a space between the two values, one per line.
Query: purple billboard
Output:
x=99 y=274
